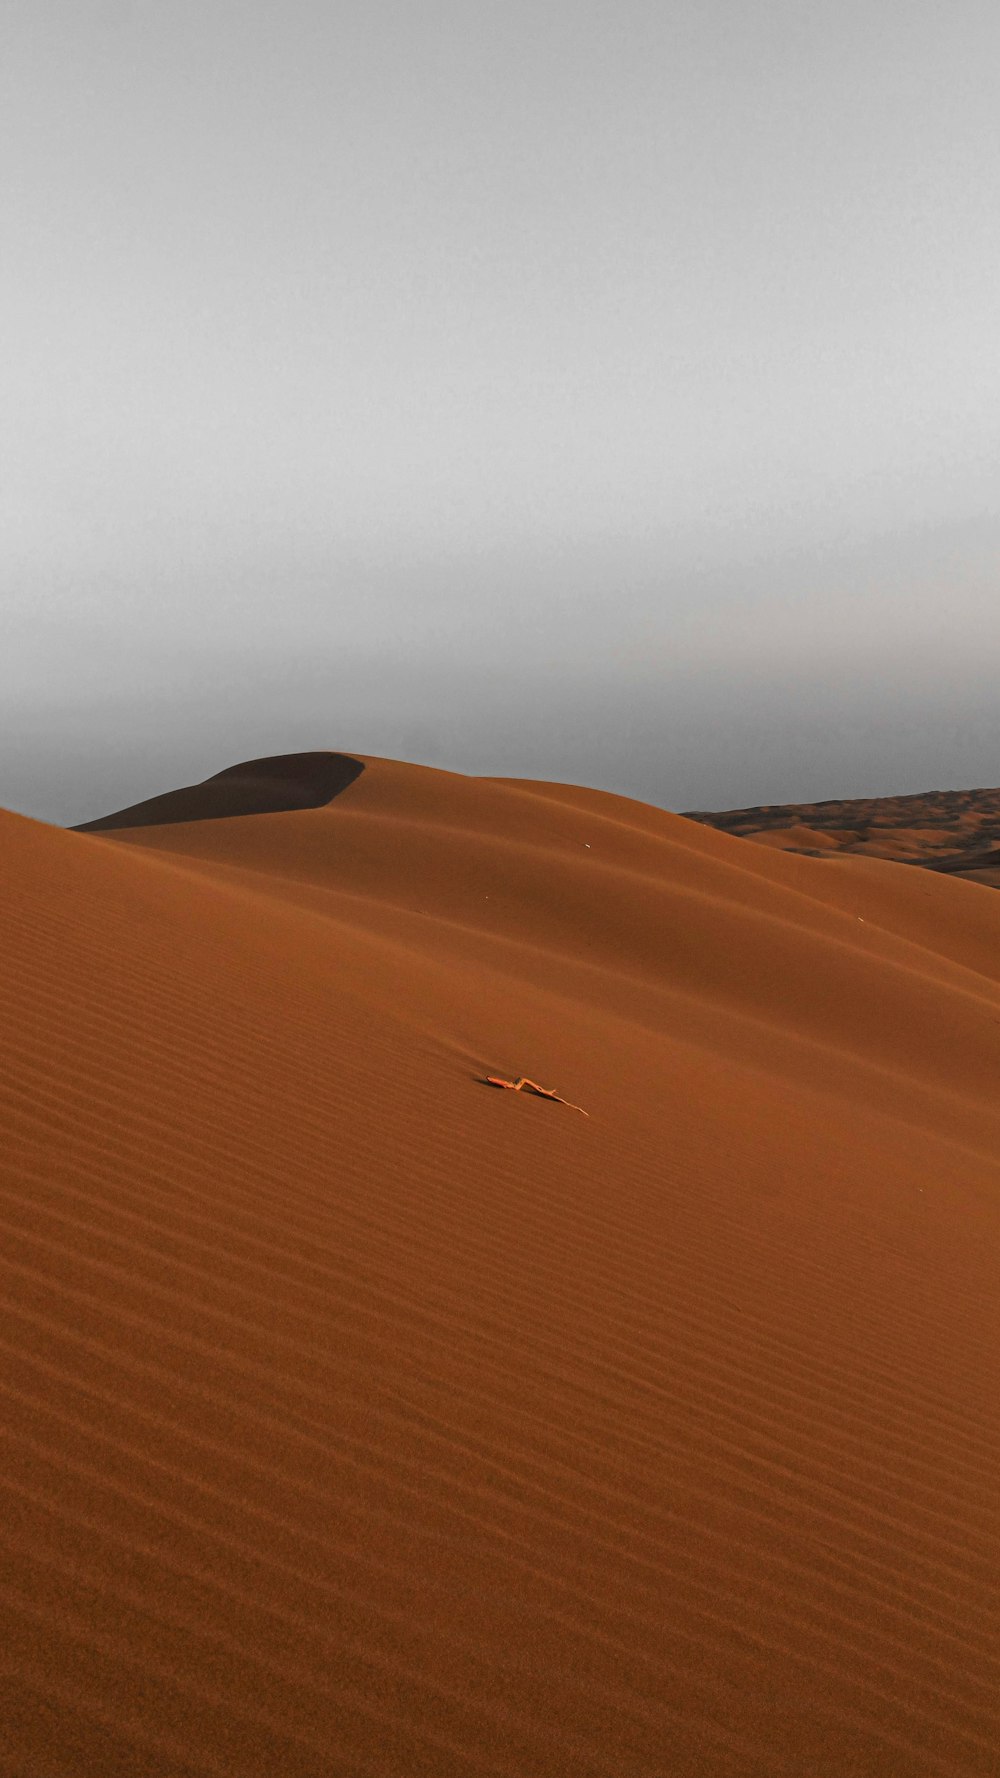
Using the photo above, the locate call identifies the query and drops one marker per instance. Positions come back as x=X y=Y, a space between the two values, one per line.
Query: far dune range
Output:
x=956 y=831
x=364 y=1420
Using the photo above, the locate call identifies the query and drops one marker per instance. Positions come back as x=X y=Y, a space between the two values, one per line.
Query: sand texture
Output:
x=955 y=831
x=362 y=1419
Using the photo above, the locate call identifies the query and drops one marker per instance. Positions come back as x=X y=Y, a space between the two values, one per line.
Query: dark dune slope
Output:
x=257 y=787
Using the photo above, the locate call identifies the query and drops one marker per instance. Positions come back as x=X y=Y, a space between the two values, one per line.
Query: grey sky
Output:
x=598 y=391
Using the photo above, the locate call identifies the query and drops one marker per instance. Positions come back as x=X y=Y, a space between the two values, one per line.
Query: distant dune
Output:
x=361 y=1421
x=956 y=831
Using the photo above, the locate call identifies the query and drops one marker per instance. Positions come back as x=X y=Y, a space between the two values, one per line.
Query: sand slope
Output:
x=362 y=1419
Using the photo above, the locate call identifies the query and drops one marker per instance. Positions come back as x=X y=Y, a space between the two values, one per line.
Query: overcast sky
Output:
x=607 y=392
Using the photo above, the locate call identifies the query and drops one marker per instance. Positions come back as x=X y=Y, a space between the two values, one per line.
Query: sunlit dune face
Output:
x=360 y=1417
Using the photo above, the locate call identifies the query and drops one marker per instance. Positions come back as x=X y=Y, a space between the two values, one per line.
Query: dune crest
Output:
x=256 y=787
x=360 y=1419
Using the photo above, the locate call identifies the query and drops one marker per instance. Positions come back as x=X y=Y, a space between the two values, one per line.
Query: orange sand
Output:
x=361 y=1419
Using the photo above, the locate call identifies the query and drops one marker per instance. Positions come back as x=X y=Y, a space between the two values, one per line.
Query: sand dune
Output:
x=955 y=831
x=360 y=1419
x=257 y=787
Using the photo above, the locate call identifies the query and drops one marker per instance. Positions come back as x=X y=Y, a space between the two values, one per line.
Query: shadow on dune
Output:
x=257 y=787
x=968 y=861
